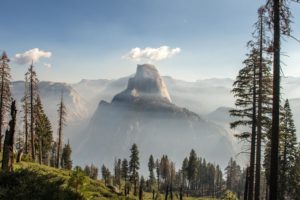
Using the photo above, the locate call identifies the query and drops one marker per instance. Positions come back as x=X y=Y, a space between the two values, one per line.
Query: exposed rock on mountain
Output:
x=144 y=114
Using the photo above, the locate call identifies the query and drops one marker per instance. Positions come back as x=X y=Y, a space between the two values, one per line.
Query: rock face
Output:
x=144 y=114
x=146 y=84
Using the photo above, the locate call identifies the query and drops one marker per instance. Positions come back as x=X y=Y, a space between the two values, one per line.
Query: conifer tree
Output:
x=33 y=92
x=151 y=166
x=184 y=170
x=117 y=169
x=105 y=174
x=5 y=94
x=288 y=151
x=134 y=166
x=142 y=185
x=25 y=106
x=279 y=21
x=66 y=161
x=165 y=168
x=125 y=171
x=295 y=190
x=245 y=91
x=43 y=132
x=61 y=123
x=233 y=172
x=157 y=166
x=192 y=168
x=53 y=154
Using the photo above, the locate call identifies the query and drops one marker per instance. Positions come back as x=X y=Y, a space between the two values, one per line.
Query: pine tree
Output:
x=25 y=106
x=184 y=170
x=264 y=92
x=43 y=132
x=53 y=154
x=142 y=185
x=105 y=174
x=125 y=171
x=157 y=166
x=279 y=15
x=117 y=169
x=61 y=123
x=33 y=92
x=295 y=190
x=245 y=90
x=5 y=94
x=192 y=168
x=165 y=168
x=66 y=162
x=288 y=151
x=151 y=166
x=134 y=166
x=233 y=172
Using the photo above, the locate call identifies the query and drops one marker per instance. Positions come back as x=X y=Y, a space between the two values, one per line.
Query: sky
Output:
x=70 y=40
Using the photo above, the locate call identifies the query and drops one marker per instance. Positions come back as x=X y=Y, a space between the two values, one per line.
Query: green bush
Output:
x=229 y=195
x=28 y=184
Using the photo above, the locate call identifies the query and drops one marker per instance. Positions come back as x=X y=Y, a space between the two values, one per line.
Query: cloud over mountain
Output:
x=151 y=54
x=32 y=55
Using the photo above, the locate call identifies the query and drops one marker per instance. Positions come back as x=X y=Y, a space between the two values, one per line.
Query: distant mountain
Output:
x=144 y=114
x=208 y=98
x=50 y=93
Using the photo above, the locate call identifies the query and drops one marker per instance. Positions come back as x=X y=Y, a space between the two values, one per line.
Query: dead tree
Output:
x=8 y=147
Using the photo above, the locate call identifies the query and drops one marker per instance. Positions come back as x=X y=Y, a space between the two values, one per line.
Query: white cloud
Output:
x=151 y=54
x=32 y=55
x=47 y=65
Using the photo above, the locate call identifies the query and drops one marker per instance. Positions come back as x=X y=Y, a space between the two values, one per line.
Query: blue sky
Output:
x=87 y=38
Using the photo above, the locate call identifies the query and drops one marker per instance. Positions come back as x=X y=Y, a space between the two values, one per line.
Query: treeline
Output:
x=268 y=126
x=36 y=140
x=196 y=177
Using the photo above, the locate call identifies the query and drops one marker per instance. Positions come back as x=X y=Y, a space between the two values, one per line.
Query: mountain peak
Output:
x=146 y=84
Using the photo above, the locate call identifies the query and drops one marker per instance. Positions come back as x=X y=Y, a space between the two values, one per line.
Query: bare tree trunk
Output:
x=246 y=185
x=8 y=151
x=32 y=115
x=59 y=145
x=1 y=107
x=276 y=103
x=253 y=140
x=40 y=150
x=259 y=112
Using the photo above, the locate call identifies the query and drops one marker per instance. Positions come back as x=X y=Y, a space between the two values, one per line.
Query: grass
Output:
x=91 y=189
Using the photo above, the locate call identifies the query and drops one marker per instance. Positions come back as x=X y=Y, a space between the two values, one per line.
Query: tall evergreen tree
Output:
x=151 y=166
x=26 y=106
x=117 y=170
x=184 y=170
x=165 y=168
x=43 y=132
x=233 y=172
x=61 y=123
x=91 y=171
x=288 y=151
x=295 y=190
x=125 y=171
x=66 y=161
x=53 y=154
x=245 y=90
x=280 y=18
x=157 y=166
x=192 y=168
x=134 y=166
x=105 y=174
x=33 y=93
x=5 y=94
